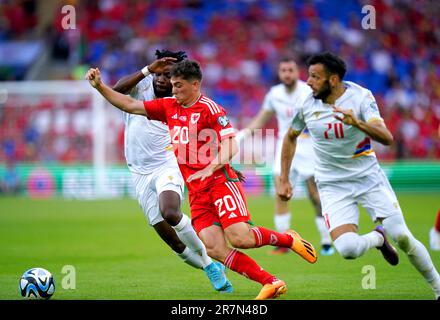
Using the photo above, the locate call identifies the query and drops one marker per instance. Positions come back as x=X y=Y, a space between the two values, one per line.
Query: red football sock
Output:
x=437 y=222
x=264 y=237
x=244 y=265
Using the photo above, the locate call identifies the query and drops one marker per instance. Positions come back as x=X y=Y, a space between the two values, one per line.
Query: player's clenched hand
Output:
x=158 y=65
x=348 y=116
x=202 y=174
x=94 y=77
x=284 y=190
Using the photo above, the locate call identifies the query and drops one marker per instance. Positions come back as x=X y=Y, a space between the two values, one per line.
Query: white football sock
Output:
x=191 y=258
x=350 y=245
x=188 y=236
x=396 y=227
x=323 y=231
x=282 y=222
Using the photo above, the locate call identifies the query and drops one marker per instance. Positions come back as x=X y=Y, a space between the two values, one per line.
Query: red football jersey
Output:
x=196 y=133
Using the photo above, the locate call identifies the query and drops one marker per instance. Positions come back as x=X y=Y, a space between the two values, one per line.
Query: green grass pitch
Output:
x=117 y=256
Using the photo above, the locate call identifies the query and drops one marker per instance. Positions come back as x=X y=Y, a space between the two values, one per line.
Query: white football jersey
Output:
x=343 y=152
x=285 y=104
x=147 y=142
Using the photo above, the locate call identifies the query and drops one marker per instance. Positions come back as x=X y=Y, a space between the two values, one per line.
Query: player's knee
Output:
x=403 y=241
x=171 y=215
x=347 y=245
x=348 y=252
x=398 y=231
x=240 y=242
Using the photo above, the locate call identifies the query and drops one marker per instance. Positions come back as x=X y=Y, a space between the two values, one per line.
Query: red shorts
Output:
x=222 y=204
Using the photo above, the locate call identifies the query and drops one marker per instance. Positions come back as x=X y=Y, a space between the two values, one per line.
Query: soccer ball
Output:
x=37 y=283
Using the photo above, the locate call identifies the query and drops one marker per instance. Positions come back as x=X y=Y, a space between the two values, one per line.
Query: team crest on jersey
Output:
x=316 y=114
x=223 y=121
x=195 y=117
x=273 y=239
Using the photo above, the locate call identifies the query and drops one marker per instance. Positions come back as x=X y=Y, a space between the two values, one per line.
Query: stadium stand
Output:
x=238 y=44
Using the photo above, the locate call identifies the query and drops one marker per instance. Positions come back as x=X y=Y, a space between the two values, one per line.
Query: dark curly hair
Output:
x=179 y=55
x=331 y=62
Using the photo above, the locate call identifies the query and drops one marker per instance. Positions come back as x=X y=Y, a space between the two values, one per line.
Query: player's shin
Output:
x=190 y=257
x=265 y=237
x=416 y=251
x=246 y=266
x=188 y=236
x=350 y=245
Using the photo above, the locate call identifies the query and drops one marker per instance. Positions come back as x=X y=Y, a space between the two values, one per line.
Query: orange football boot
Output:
x=302 y=247
x=272 y=290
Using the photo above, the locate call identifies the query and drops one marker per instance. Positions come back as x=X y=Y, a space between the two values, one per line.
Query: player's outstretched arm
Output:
x=125 y=84
x=375 y=129
x=120 y=101
x=284 y=189
x=228 y=149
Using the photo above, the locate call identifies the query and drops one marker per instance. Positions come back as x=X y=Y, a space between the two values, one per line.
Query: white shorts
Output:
x=340 y=199
x=149 y=187
x=303 y=163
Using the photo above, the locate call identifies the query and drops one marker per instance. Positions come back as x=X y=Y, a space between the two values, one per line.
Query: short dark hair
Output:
x=187 y=69
x=179 y=55
x=286 y=59
x=331 y=62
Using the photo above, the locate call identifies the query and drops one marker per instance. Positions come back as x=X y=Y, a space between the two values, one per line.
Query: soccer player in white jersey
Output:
x=342 y=118
x=282 y=100
x=157 y=179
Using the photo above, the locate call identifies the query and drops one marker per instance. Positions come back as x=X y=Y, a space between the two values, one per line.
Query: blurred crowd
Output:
x=239 y=44
x=46 y=129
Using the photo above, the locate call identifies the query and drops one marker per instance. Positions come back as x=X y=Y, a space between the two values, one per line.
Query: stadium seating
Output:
x=240 y=42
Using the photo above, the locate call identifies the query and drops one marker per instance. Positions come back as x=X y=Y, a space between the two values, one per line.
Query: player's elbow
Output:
x=121 y=87
x=291 y=136
x=388 y=139
x=118 y=88
x=289 y=141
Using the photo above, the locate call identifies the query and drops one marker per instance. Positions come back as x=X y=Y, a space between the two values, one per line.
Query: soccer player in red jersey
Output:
x=204 y=142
